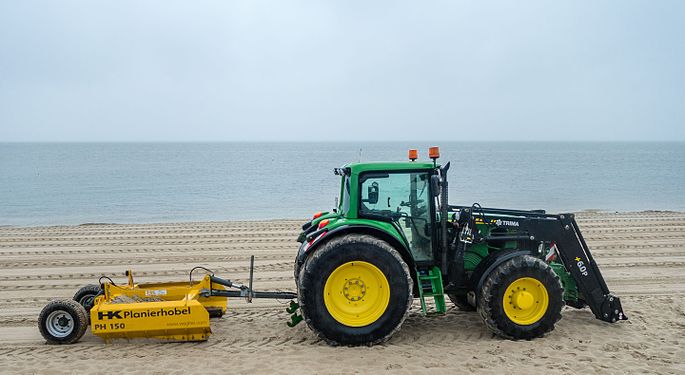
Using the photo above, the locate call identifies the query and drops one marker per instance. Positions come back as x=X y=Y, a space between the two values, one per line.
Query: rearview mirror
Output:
x=435 y=185
x=372 y=193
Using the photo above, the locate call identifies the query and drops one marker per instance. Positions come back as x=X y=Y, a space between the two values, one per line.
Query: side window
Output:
x=346 y=195
x=403 y=198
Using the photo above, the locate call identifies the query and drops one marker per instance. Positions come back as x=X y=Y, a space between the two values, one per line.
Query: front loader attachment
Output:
x=576 y=257
x=582 y=278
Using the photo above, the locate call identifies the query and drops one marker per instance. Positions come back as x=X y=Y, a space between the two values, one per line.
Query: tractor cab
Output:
x=398 y=202
x=399 y=194
x=404 y=195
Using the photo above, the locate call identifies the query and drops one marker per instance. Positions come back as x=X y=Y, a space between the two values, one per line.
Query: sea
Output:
x=77 y=183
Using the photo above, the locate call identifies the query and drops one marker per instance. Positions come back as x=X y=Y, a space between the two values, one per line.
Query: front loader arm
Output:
x=576 y=257
x=535 y=227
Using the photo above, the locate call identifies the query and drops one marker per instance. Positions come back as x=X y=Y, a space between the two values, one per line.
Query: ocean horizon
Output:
x=151 y=182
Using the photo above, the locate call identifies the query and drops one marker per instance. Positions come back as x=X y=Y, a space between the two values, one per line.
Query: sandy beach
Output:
x=641 y=254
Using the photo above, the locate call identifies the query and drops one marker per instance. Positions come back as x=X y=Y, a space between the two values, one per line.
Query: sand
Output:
x=642 y=256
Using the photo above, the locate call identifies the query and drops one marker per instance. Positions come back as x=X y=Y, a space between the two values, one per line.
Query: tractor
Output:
x=394 y=237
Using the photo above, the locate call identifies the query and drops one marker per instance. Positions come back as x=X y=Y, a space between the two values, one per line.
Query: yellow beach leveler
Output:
x=173 y=311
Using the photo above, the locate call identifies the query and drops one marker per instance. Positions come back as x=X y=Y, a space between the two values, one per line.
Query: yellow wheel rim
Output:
x=525 y=301
x=356 y=294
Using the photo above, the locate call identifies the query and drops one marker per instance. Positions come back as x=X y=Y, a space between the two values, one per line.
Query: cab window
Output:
x=403 y=198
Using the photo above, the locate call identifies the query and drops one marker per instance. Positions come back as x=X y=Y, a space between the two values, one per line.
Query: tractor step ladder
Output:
x=430 y=285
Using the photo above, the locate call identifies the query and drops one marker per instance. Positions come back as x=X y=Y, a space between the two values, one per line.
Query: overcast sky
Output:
x=341 y=70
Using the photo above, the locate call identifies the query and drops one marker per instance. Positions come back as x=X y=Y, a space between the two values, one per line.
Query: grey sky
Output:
x=344 y=70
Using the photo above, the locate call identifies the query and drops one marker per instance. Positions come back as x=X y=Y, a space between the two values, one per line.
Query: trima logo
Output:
x=509 y=223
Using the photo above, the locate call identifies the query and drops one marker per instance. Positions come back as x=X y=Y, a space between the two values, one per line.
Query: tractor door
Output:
x=404 y=198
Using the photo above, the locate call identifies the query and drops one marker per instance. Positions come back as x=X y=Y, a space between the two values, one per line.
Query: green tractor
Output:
x=394 y=237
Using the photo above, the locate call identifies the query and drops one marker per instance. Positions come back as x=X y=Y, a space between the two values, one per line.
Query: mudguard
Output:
x=488 y=264
x=317 y=239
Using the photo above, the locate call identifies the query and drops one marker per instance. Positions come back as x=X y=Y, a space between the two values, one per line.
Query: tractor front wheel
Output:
x=355 y=290
x=521 y=298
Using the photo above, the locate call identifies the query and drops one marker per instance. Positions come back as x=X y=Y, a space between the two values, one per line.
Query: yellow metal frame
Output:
x=169 y=311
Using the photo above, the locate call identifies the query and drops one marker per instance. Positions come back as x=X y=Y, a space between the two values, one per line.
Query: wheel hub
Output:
x=354 y=290
x=523 y=300
x=59 y=323
x=63 y=321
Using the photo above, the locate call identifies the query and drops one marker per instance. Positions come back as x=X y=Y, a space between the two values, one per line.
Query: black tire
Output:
x=338 y=251
x=461 y=302
x=86 y=296
x=62 y=322
x=490 y=300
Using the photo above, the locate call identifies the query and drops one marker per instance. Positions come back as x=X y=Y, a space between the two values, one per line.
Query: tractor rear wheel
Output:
x=521 y=298
x=355 y=290
x=62 y=322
